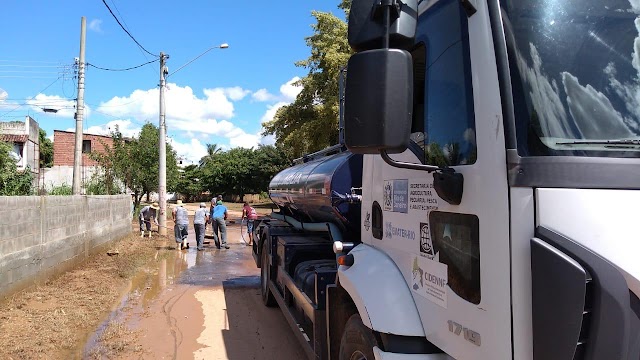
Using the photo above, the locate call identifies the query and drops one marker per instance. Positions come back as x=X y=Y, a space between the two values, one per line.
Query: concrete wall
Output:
x=41 y=236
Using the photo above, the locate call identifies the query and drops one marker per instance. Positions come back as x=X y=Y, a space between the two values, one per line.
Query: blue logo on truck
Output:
x=396 y=195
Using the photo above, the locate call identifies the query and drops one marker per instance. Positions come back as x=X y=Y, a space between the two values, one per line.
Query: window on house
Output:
x=86 y=146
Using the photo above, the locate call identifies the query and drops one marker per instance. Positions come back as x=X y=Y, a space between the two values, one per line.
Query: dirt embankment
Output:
x=50 y=321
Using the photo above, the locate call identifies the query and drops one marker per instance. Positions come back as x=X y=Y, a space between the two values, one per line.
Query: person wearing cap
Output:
x=214 y=200
x=218 y=218
x=200 y=219
x=146 y=214
x=180 y=229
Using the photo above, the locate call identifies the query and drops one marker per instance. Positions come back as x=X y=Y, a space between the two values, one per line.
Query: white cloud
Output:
x=65 y=107
x=271 y=111
x=191 y=151
x=95 y=25
x=268 y=140
x=3 y=94
x=126 y=128
x=181 y=104
x=236 y=93
x=288 y=93
x=263 y=95
x=289 y=90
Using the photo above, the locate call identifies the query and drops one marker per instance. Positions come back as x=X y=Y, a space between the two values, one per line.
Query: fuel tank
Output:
x=312 y=191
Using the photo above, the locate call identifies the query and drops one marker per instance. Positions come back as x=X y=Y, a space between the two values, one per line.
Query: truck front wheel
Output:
x=265 y=277
x=357 y=340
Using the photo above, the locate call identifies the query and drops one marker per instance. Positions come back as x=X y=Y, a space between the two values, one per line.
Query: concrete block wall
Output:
x=41 y=236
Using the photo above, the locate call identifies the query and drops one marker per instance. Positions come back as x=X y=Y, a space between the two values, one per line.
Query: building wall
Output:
x=31 y=153
x=42 y=236
x=63 y=175
x=13 y=128
x=64 y=144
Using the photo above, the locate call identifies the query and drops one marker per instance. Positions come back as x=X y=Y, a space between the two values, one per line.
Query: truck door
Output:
x=455 y=258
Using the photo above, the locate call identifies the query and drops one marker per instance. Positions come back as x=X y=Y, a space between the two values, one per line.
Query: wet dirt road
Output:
x=204 y=305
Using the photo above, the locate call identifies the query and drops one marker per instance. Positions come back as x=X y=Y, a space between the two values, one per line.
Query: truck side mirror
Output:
x=367 y=25
x=378 y=101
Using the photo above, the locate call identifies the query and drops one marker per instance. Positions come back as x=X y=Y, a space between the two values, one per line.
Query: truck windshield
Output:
x=575 y=76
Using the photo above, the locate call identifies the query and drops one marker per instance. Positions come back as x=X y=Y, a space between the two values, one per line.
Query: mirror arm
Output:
x=449 y=184
x=411 y=166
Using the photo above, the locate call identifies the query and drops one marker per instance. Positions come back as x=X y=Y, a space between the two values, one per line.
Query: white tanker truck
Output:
x=483 y=200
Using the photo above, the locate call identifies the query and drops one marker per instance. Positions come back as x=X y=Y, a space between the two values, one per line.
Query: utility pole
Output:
x=77 y=157
x=162 y=167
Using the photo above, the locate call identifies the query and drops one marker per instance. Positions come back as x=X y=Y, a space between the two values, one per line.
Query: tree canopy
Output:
x=12 y=181
x=310 y=123
x=241 y=171
x=134 y=161
x=46 y=150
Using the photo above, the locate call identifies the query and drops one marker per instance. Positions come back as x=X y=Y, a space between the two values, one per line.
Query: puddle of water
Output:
x=212 y=267
x=143 y=288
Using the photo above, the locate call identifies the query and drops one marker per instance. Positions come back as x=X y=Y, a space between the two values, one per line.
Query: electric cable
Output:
x=127 y=26
x=125 y=30
x=48 y=86
x=124 y=69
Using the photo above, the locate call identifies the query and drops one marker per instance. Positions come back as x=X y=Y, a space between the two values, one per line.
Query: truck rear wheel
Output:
x=357 y=340
x=265 y=278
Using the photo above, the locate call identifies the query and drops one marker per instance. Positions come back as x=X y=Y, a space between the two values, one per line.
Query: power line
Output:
x=16 y=108
x=127 y=26
x=126 y=69
x=125 y=30
x=30 y=61
x=31 y=66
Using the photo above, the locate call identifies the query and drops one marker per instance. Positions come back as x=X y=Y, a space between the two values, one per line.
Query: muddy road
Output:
x=199 y=305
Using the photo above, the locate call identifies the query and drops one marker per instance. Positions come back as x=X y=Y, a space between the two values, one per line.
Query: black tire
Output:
x=357 y=340
x=265 y=278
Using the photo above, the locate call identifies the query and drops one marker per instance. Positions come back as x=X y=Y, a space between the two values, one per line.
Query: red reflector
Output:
x=346 y=260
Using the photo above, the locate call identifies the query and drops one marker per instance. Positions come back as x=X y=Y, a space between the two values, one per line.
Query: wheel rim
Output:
x=357 y=355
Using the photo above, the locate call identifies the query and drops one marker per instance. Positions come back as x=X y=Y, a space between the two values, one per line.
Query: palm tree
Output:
x=212 y=151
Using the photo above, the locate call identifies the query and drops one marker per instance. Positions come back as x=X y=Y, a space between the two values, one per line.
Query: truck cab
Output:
x=500 y=144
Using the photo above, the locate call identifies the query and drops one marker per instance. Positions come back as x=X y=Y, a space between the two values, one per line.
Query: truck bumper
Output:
x=381 y=355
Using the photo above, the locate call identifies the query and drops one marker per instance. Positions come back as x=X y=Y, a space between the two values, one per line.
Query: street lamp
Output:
x=221 y=46
x=162 y=146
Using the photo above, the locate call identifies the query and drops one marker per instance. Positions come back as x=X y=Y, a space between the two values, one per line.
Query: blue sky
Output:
x=223 y=97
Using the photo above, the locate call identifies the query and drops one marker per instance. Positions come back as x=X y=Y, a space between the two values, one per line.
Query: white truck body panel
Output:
x=381 y=355
x=604 y=221
x=485 y=186
x=522 y=230
x=380 y=293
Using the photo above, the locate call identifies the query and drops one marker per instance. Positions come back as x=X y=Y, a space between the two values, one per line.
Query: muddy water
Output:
x=201 y=304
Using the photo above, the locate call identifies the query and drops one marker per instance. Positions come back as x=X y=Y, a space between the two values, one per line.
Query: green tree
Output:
x=134 y=162
x=190 y=183
x=242 y=171
x=212 y=151
x=46 y=150
x=310 y=123
x=12 y=181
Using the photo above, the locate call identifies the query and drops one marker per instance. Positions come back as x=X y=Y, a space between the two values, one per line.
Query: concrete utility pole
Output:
x=162 y=144
x=77 y=158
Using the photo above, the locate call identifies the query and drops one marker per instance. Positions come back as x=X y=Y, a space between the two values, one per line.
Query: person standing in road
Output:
x=181 y=226
x=214 y=200
x=251 y=215
x=200 y=219
x=148 y=213
x=218 y=218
